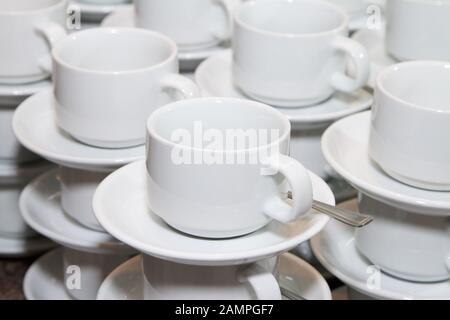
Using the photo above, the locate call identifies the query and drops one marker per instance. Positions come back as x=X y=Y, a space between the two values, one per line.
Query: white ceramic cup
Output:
x=11 y=151
x=418 y=29
x=28 y=29
x=408 y=245
x=292 y=53
x=104 y=2
x=411 y=124
x=109 y=80
x=193 y=24
x=205 y=186
x=85 y=272
x=77 y=190
x=167 y=280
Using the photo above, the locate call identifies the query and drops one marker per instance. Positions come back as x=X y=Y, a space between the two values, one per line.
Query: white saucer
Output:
x=124 y=191
x=44 y=279
x=374 y=42
x=214 y=77
x=41 y=209
x=335 y=249
x=188 y=60
x=345 y=147
x=14 y=174
x=97 y=12
x=22 y=248
x=127 y=281
x=35 y=126
x=12 y=95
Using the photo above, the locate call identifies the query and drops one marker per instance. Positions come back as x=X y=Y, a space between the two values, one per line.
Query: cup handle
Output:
x=186 y=87
x=342 y=82
x=228 y=7
x=262 y=282
x=52 y=32
x=302 y=193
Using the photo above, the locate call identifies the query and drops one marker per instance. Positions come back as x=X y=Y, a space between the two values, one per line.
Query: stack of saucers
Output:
x=411 y=30
x=398 y=157
x=94 y=11
x=199 y=28
x=211 y=227
x=20 y=77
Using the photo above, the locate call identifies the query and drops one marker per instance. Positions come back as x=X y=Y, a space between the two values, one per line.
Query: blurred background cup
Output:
x=193 y=24
x=292 y=53
x=28 y=30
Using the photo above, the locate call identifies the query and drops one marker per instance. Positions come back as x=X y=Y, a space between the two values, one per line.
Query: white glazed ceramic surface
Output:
x=85 y=272
x=293 y=53
x=345 y=146
x=35 y=126
x=103 y=99
x=418 y=29
x=410 y=124
x=40 y=204
x=242 y=198
x=11 y=150
x=77 y=190
x=104 y=2
x=193 y=24
x=11 y=95
x=96 y=12
x=127 y=282
x=24 y=248
x=173 y=281
x=335 y=248
x=419 y=246
x=125 y=190
x=30 y=28
x=44 y=279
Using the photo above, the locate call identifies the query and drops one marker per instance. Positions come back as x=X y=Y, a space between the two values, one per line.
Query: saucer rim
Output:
x=61 y=158
x=196 y=258
x=378 y=192
x=109 y=247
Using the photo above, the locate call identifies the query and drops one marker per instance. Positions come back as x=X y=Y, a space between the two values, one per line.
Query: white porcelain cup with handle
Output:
x=167 y=280
x=418 y=29
x=411 y=124
x=28 y=30
x=109 y=80
x=293 y=53
x=193 y=24
x=219 y=167
x=408 y=245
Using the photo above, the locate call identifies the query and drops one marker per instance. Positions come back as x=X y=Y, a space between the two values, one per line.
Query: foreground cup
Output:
x=193 y=24
x=218 y=167
x=85 y=272
x=411 y=124
x=407 y=245
x=28 y=29
x=77 y=190
x=109 y=80
x=171 y=281
x=418 y=29
x=291 y=53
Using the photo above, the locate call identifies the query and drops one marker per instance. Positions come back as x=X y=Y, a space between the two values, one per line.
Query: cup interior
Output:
x=114 y=50
x=422 y=84
x=294 y=17
x=218 y=118
x=26 y=5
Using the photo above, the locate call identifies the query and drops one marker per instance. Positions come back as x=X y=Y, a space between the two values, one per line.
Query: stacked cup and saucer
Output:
x=398 y=157
x=208 y=207
x=200 y=28
x=22 y=74
x=410 y=30
x=90 y=124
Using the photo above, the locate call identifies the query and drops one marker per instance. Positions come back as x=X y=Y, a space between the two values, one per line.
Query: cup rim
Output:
x=37 y=11
x=152 y=120
x=344 y=24
x=61 y=44
x=389 y=70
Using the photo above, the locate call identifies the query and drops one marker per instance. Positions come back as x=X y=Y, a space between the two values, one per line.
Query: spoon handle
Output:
x=350 y=218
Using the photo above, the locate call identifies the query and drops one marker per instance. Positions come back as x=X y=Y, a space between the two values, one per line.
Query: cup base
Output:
x=110 y=144
x=23 y=79
x=426 y=185
x=210 y=234
x=88 y=224
x=287 y=103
